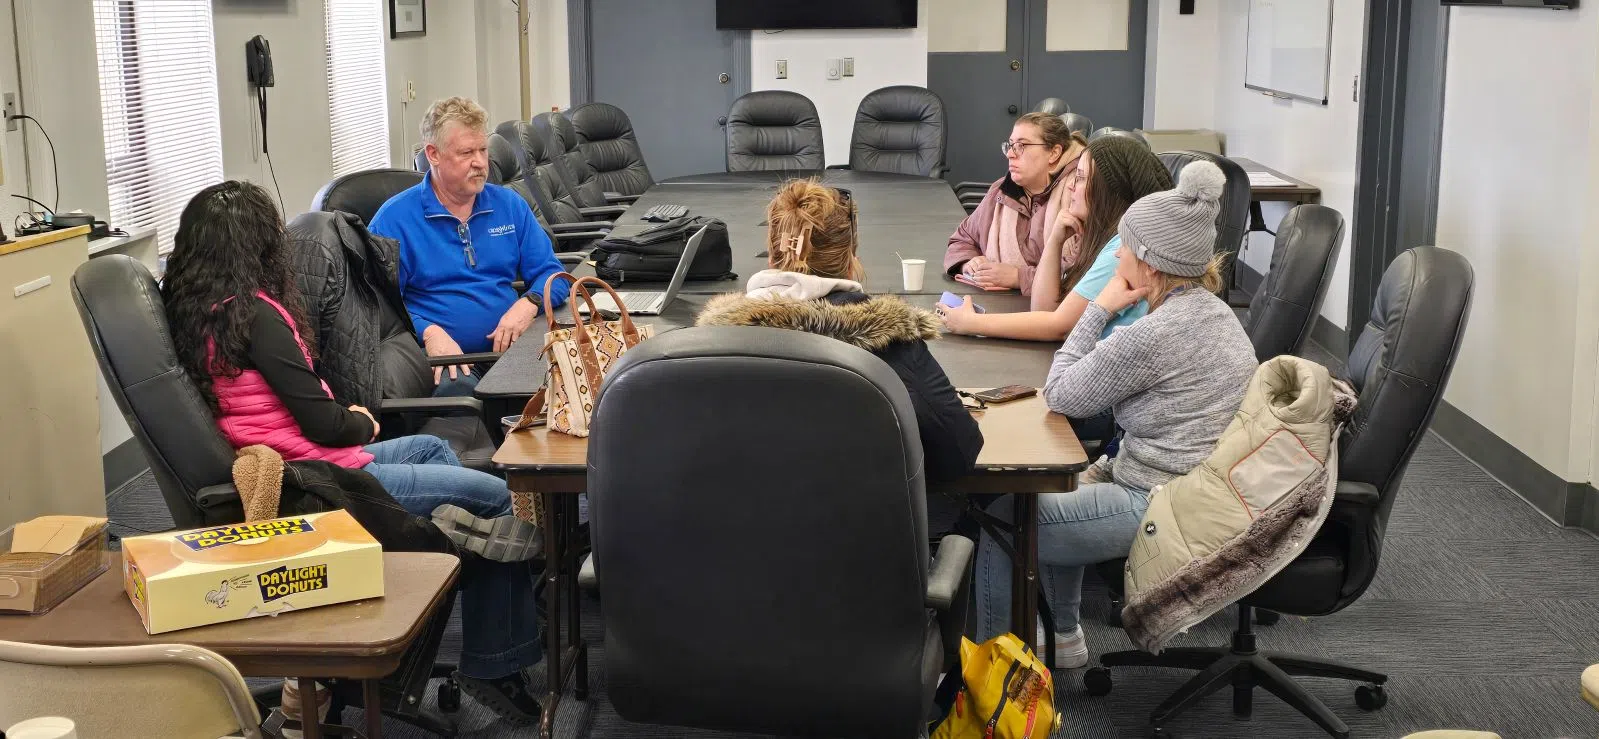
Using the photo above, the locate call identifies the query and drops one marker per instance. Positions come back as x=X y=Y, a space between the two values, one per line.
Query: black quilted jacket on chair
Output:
x=333 y=254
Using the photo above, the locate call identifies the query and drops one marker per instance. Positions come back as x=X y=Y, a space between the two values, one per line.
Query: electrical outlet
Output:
x=782 y=69
x=11 y=111
x=834 y=69
x=410 y=91
x=849 y=66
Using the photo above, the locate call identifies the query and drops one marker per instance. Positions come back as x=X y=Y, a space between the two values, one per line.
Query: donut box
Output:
x=183 y=579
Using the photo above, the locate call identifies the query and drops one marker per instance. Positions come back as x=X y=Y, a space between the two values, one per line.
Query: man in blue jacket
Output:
x=462 y=243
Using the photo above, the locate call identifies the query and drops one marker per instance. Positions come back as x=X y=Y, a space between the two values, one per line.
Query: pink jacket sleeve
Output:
x=967 y=241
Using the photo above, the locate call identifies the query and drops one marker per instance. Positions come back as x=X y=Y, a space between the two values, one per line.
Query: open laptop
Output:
x=650 y=303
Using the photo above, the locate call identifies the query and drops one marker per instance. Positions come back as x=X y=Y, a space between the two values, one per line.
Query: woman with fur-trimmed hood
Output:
x=814 y=286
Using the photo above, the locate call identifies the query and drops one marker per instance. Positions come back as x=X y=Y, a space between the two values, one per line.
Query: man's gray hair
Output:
x=458 y=110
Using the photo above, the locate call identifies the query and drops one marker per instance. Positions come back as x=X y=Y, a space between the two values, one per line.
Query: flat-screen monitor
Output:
x=1551 y=4
x=787 y=14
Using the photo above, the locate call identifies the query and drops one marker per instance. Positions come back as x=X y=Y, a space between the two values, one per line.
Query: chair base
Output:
x=1245 y=669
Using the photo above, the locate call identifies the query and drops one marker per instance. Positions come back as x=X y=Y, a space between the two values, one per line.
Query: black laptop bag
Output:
x=652 y=255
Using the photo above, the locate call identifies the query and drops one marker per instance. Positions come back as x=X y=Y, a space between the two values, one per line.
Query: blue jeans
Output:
x=1093 y=524
x=499 y=622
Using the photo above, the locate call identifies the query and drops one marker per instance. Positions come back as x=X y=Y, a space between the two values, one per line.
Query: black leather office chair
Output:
x=1399 y=365
x=605 y=136
x=774 y=130
x=899 y=129
x=775 y=582
x=394 y=363
x=1286 y=304
x=1078 y=123
x=122 y=311
x=581 y=178
x=419 y=160
x=1114 y=131
x=572 y=225
x=1052 y=105
x=1232 y=221
x=362 y=193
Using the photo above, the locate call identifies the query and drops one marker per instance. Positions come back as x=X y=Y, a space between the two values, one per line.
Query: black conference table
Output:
x=898 y=216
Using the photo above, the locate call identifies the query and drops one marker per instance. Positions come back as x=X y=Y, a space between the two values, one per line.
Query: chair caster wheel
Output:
x=1370 y=697
x=1267 y=618
x=449 y=696
x=1097 y=681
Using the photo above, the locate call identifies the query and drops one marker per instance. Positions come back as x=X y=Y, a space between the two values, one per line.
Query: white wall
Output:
x=883 y=57
x=1521 y=210
x=1199 y=83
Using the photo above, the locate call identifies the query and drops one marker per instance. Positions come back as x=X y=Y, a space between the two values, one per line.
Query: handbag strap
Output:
x=630 y=334
x=531 y=411
x=549 y=308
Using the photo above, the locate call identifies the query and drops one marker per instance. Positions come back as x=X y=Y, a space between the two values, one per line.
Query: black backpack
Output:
x=652 y=255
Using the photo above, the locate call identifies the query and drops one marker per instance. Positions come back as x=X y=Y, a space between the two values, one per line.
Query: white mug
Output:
x=44 y=727
x=914 y=270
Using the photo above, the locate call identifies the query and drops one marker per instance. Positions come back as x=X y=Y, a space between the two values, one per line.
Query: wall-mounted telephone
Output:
x=258 y=62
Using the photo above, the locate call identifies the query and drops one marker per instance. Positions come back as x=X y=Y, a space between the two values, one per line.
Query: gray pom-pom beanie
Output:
x=1175 y=231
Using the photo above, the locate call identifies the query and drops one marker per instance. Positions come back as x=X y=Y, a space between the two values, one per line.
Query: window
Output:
x=356 y=99
x=158 y=106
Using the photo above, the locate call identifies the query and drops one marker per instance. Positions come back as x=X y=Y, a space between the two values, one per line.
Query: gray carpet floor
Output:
x=1483 y=614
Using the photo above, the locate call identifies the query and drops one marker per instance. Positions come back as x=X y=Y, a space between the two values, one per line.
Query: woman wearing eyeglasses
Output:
x=999 y=245
x=1110 y=175
x=814 y=286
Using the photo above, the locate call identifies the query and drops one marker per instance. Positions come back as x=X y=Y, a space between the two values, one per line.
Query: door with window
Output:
x=992 y=60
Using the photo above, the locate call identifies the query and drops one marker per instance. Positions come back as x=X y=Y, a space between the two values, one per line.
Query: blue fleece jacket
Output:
x=458 y=275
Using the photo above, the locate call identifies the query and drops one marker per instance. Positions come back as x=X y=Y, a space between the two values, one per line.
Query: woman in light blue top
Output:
x=1111 y=175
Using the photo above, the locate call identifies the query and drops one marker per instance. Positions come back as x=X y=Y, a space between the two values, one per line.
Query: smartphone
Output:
x=1006 y=394
x=509 y=422
x=951 y=300
x=961 y=277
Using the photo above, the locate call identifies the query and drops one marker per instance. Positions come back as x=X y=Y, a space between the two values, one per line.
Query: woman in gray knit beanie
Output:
x=1173 y=378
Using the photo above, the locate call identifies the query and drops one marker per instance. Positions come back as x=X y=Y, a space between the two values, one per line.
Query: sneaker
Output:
x=1071 y=648
x=508 y=697
x=501 y=539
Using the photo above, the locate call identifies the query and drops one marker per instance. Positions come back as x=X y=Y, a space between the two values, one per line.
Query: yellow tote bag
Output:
x=1008 y=694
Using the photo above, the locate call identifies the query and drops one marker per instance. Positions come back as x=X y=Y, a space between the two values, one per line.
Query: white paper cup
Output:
x=914 y=270
x=44 y=727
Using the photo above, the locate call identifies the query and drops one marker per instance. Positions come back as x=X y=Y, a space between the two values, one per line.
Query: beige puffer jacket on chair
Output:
x=1212 y=536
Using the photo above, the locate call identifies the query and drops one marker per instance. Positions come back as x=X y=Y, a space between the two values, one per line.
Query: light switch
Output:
x=834 y=69
x=849 y=66
x=782 y=69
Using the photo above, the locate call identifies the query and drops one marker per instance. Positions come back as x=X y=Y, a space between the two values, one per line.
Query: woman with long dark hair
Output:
x=235 y=318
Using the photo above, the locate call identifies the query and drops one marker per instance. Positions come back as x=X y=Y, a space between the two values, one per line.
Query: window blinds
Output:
x=158 y=102
x=356 y=100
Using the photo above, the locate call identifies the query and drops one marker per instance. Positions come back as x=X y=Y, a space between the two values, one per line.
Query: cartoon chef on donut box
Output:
x=183 y=579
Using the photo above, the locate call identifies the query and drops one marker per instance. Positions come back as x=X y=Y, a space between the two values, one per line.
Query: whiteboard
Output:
x=1288 y=48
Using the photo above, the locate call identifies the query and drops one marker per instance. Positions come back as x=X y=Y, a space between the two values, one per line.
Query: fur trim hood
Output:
x=871 y=324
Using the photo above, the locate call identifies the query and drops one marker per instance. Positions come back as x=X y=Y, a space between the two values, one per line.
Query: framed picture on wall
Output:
x=408 y=18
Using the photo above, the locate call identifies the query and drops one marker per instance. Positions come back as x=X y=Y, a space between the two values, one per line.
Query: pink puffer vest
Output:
x=253 y=414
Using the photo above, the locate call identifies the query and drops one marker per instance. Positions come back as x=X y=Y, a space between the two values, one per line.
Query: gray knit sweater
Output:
x=1174 y=379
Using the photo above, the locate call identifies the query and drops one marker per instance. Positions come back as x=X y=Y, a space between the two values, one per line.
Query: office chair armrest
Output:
x=1350 y=493
x=969 y=207
x=475 y=358
x=216 y=496
x=971 y=197
x=961 y=187
x=619 y=198
x=571 y=258
x=838 y=166
x=603 y=211
x=561 y=228
x=572 y=241
x=452 y=406
x=949 y=571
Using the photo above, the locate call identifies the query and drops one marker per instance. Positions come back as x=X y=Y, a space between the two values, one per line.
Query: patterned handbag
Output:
x=578 y=358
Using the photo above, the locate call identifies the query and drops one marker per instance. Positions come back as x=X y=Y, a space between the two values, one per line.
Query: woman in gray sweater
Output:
x=1174 y=379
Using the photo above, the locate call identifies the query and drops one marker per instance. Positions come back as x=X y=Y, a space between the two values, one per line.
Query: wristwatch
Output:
x=536 y=299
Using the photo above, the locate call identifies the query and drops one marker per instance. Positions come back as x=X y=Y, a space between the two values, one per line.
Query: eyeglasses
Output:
x=971 y=402
x=1020 y=147
x=465 y=234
